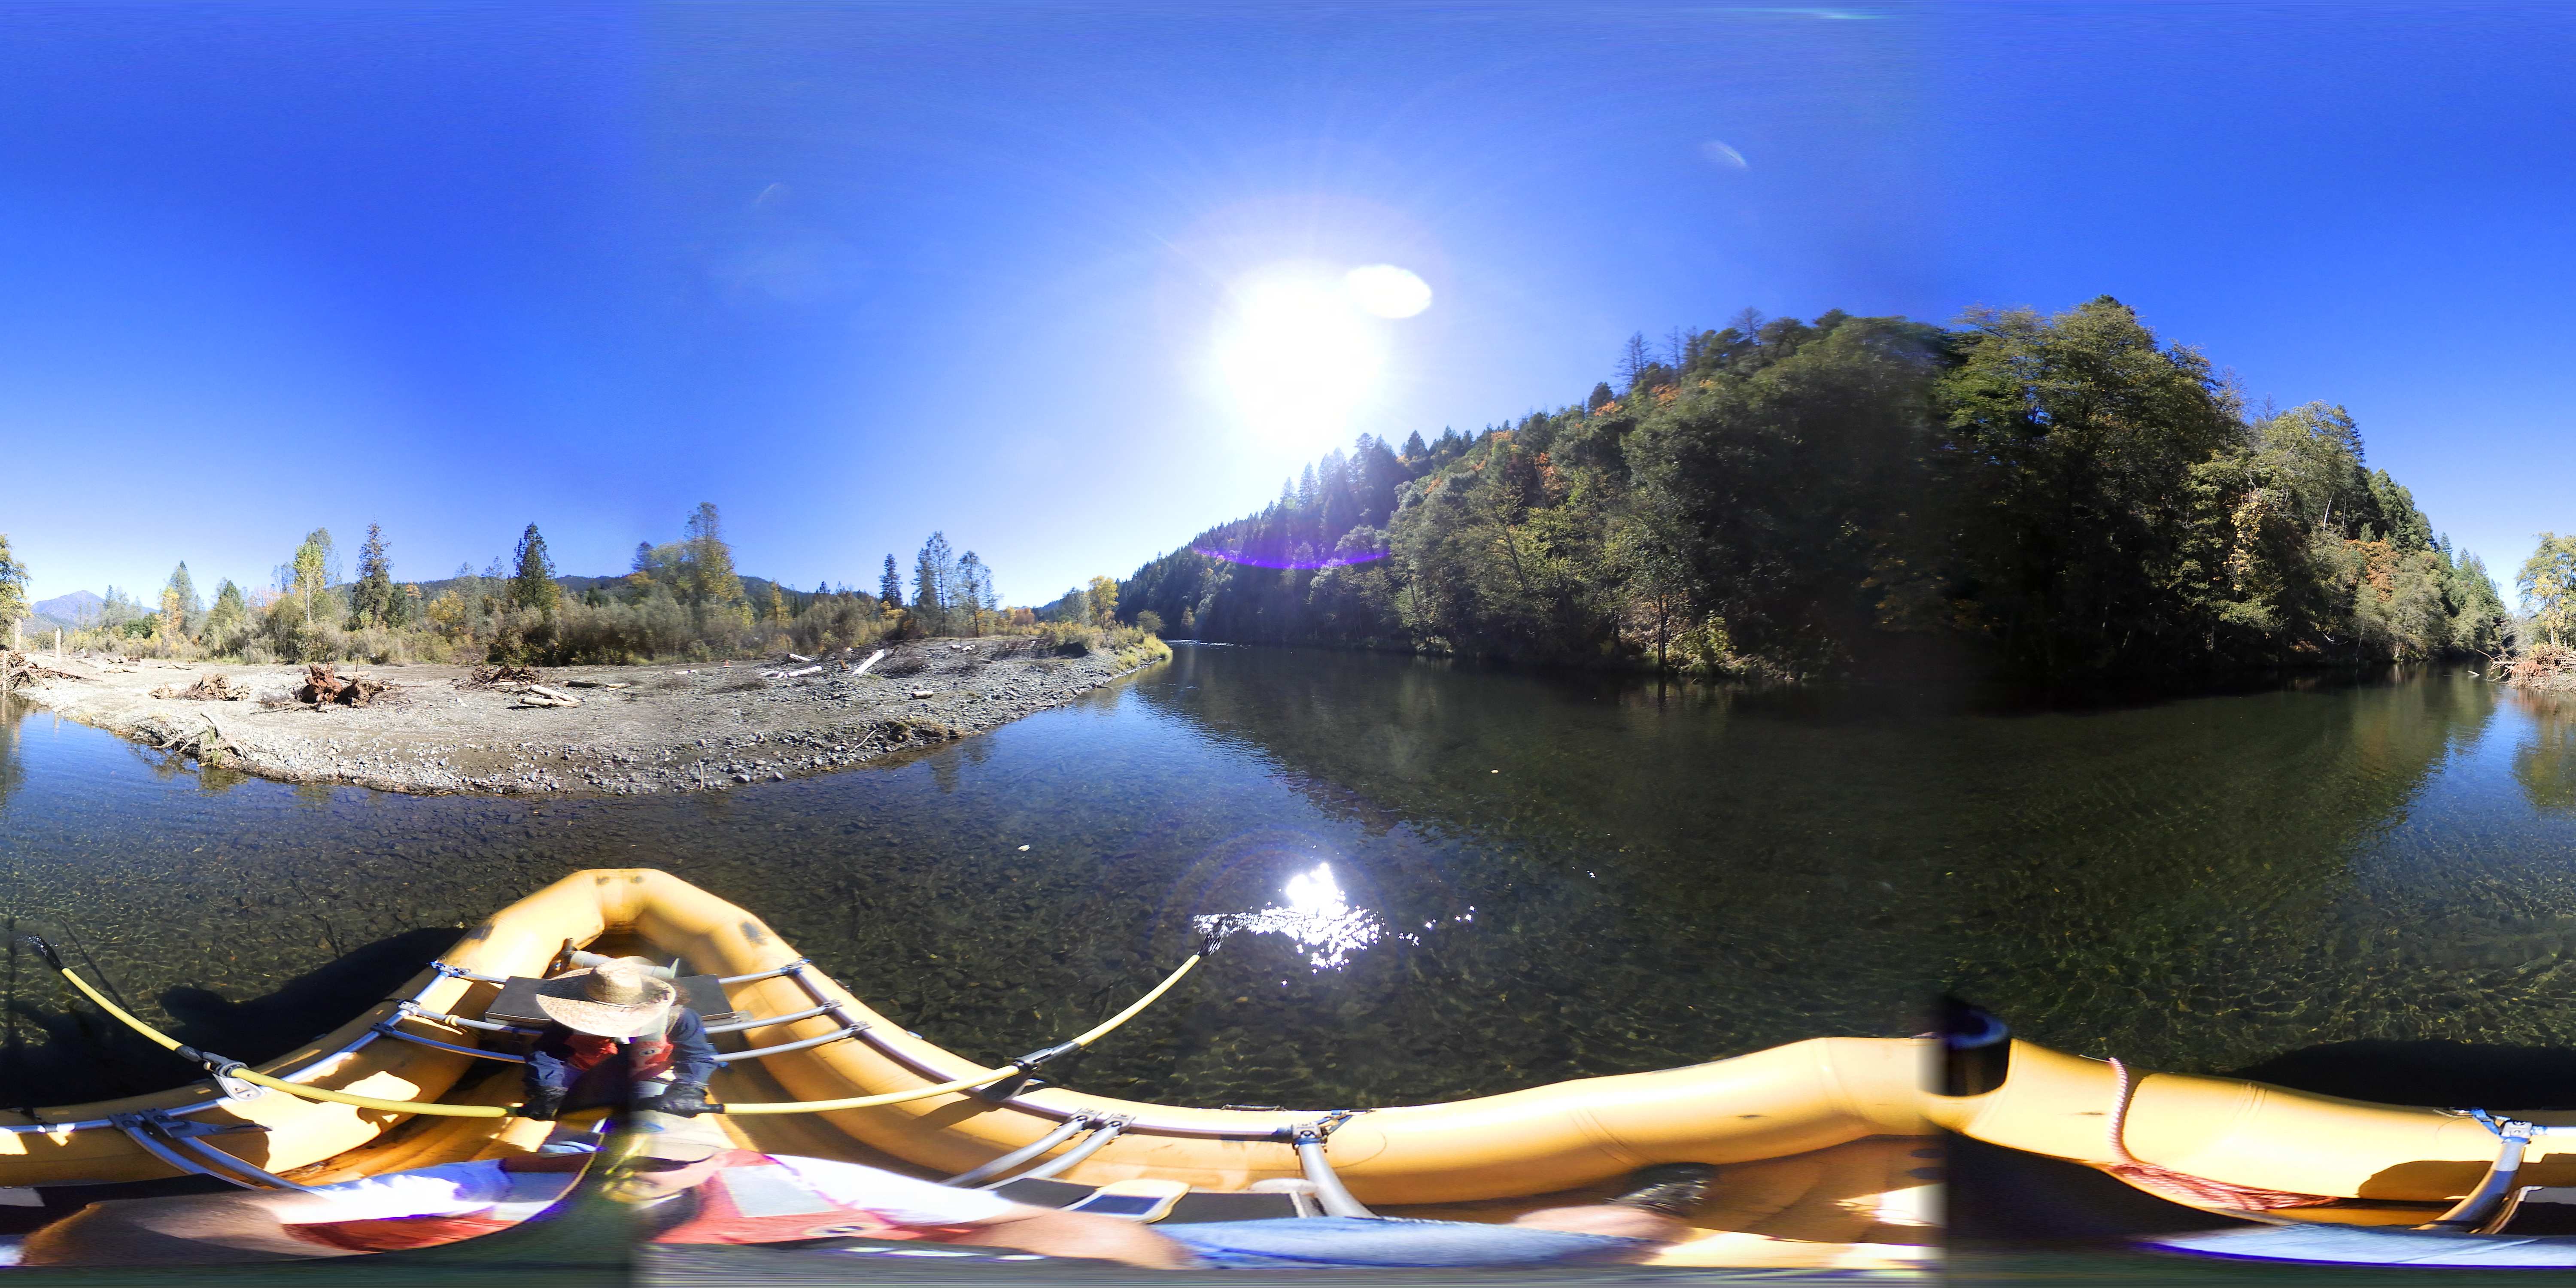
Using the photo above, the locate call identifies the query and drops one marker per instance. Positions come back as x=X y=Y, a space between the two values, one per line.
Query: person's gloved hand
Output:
x=542 y=1104
x=682 y=1099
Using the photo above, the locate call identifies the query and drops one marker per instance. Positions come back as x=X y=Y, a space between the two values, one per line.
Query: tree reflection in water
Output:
x=2545 y=765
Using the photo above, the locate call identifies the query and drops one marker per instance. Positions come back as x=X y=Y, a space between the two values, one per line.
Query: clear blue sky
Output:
x=856 y=272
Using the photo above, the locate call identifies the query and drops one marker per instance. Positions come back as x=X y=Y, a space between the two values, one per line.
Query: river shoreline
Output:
x=638 y=729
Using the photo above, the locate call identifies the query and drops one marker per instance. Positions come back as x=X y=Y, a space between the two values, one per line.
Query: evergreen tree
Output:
x=970 y=591
x=192 y=610
x=374 y=594
x=533 y=588
x=890 y=586
x=1634 y=361
x=934 y=577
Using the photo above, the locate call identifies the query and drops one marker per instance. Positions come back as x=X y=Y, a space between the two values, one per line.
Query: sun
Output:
x=1299 y=356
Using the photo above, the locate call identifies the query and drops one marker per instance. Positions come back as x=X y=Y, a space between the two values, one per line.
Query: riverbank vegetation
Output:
x=2544 y=658
x=679 y=600
x=2054 y=498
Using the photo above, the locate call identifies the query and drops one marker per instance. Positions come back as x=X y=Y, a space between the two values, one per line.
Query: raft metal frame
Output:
x=824 y=1005
x=877 y=1040
x=1103 y=1131
x=2484 y=1206
x=312 y=1068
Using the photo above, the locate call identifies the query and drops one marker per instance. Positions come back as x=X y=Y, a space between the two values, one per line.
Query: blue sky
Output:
x=855 y=272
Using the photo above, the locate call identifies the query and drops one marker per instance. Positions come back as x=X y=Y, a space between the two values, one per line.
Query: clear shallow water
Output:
x=1464 y=882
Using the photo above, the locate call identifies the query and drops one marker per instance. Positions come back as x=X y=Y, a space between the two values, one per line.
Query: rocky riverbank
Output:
x=636 y=729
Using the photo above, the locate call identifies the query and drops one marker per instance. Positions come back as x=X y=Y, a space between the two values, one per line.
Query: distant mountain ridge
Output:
x=66 y=612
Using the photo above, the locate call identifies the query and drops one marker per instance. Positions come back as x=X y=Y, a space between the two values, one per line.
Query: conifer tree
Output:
x=890 y=587
x=192 y=610
x=534 y=588
x=374 y=592
x=934 y=575
x=970 y=591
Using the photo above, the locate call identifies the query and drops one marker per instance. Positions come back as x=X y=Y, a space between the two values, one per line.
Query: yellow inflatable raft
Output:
x=2232 y=1146
x=1833 y=1160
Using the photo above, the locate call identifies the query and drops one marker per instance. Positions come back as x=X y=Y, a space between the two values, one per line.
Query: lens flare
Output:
x=1387 y=291
x=1298 y=556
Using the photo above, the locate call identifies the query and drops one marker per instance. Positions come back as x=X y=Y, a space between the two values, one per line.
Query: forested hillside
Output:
x=2055 y=497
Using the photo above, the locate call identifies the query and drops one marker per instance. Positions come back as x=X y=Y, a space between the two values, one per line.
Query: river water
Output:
x=1458 y=881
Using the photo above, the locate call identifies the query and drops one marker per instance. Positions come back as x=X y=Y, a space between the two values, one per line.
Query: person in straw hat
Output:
x=619 y=1037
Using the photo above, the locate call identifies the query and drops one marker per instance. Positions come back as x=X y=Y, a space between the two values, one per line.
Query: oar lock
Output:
x=1027 y=1078
x=1319 y=1130
x=226 y=1073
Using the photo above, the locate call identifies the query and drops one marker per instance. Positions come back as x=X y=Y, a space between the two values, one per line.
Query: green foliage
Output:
x=180 y=604
x=309 y=576
x=227 y=625
x=706 y=569
x=374 y=601
x=13 y=586
x=2066 y=496
x=2548 y=585
x=1102 y=599
x=1149 y=621
x=533 y=589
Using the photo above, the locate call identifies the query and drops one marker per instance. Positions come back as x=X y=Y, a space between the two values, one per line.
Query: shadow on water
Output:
x=2445 y=1075
x=83 y=1054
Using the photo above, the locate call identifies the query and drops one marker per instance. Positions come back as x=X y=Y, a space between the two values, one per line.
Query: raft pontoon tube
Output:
x=1834 y=1166
x=2360 y=1163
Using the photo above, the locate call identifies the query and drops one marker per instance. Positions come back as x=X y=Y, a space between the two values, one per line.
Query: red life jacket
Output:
x=756 y=1199
x=646 y=1056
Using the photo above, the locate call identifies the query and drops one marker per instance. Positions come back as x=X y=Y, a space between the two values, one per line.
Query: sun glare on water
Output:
x=1304 y=351
x=1318 y=918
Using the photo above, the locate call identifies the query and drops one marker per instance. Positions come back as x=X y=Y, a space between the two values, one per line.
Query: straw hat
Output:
x=621 y=999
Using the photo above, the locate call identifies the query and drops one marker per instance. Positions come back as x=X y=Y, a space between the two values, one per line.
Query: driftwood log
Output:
x=500 y=677
x=18 y=668
x=208 y=688
x=325 y=687
x=538 y=695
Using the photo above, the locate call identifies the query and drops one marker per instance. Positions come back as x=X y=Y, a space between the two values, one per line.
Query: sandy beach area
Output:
x=637 y=729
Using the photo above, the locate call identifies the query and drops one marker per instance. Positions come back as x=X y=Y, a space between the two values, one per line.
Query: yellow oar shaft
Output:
x=1141 y=1003
x=294 y=1088
x=961 y=1084
x=775 y=1107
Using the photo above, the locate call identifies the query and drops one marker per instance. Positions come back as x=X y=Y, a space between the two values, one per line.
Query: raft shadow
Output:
x=2434 y=1073
x=86 y=1056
